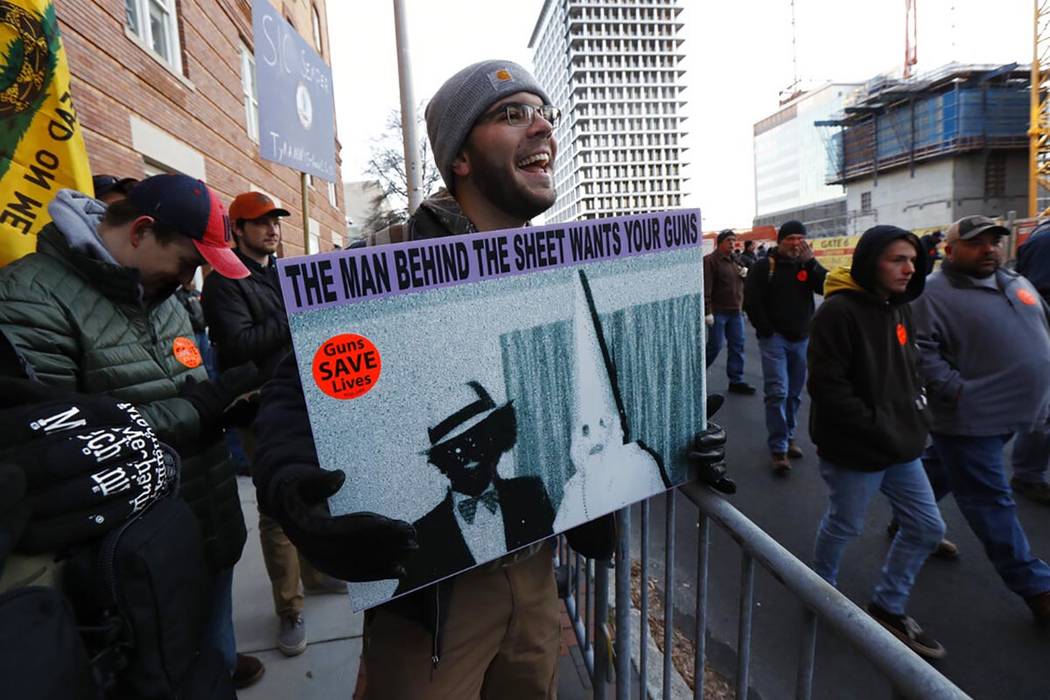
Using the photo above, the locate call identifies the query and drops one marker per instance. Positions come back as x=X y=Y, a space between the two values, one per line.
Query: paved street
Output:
x=994 y=649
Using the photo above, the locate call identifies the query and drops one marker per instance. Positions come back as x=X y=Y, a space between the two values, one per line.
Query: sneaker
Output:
x=908 y=631
x=1040 y=605
x=741 y=388
x=781 y=465
x=326 y=585
x=794 y=452
x=291 y=639
x=1038 y=492
x=247 y=671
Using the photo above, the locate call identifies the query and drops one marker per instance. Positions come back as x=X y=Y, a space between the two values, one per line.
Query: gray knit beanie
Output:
x=463 y=98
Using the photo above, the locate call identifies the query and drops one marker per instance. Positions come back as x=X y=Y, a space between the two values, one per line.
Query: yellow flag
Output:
x=41 y=144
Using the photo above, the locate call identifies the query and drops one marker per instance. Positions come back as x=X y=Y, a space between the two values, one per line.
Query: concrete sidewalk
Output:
x=328 y=668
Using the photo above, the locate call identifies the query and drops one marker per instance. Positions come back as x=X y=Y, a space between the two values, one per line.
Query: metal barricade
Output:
x=908 y=674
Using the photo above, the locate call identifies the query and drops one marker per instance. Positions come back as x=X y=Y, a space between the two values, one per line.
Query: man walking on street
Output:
x=493 y=631
x=247 y=323
x=931 y=244
x=984 y=339
x=723 y=298
x=869 y=420
x=778 y=299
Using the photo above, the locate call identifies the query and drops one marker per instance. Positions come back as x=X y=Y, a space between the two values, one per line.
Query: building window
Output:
x=865 y=202
x=314 y=239
x=995 y=175
x=251 y=94
x=337 y=241
x=316 y=17
x=156 y=24
x=331 y=195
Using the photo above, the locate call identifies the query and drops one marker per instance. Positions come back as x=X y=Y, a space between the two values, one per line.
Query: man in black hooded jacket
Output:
x=869 y=419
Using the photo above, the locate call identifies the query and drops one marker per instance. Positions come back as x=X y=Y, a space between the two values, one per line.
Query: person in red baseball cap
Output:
x=247 y=323
x=93 y=310
x=181 y=205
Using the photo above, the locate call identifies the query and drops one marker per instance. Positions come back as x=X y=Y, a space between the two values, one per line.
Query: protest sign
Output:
x=500 y=387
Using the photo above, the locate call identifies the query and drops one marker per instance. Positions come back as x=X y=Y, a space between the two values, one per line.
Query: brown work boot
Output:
x=781 y=465
x=794 y=452
x=1040 y=605
x=247 y=671
x=947 y=550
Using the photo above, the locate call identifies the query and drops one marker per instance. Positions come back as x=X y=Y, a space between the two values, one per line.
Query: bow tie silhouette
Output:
x=468 y=508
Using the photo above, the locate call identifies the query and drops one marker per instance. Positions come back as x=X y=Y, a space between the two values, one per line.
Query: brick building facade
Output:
x=168 y=85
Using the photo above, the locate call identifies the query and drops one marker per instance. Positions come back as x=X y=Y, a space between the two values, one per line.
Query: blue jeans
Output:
x=1031 y=456
x=784 y=377
x=914 y=507
x=973 y=470
x=728 y=327
x=218 y=628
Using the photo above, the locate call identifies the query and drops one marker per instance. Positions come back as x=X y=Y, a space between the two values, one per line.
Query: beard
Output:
x=501 y=188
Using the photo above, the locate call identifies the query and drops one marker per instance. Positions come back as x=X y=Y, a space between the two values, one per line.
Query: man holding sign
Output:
x=492 y=631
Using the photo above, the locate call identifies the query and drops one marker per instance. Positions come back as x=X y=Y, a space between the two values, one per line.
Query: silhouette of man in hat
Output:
x=463 y=529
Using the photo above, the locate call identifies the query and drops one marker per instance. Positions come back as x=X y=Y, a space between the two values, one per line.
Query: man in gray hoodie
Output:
x=984 y=339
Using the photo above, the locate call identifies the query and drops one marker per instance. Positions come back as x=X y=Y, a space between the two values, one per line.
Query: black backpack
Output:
x=43 y=656
x=141 y=597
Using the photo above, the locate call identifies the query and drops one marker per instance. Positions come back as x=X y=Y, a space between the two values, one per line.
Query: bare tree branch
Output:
x=387 y=165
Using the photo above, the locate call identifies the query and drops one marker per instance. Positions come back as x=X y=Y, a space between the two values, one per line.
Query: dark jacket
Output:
x=191 y=301
x=930 y=247
x=723 y=285
x=285 y=439
x=869 y=407
x=79 y=320
x=1033 y=260
x=778 y=295
x=246 y=318
x=527 y=517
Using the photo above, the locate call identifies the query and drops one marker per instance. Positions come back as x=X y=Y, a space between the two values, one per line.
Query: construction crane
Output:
x=911 y=37
x=1039 y=123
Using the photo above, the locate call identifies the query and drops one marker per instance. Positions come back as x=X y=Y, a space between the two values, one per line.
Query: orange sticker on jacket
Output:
x=186 y=352
x=902 y=334
x=1026 y=297
x=802 y=276
x=347 y=366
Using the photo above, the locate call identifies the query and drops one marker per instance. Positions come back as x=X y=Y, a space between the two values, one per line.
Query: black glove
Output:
x=89 y=462
x=213 y=399
x=14 y=513
x=351 y=547
x=708 y=452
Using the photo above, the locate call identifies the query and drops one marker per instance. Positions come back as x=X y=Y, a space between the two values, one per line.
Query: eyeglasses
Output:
x=521 y=114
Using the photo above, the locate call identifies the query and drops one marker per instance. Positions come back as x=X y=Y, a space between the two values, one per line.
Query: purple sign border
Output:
x=364 y=274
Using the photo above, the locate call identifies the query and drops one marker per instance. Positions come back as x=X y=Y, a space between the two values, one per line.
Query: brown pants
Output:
x=501 y=641
x=284 y=566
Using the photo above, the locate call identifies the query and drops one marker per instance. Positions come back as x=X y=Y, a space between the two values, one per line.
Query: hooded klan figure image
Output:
x=483 y=516
x=609 y=472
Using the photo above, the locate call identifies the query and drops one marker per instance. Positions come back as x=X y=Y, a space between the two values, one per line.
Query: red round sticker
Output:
x=186 y=352
x=347 y=366
x=902 y=334
x=1026 y=297
x=802 y=276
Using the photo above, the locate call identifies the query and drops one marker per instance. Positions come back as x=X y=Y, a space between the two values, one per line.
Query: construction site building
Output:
x=924 y=152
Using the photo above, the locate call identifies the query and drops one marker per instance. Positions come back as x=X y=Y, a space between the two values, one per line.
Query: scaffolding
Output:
x=891 y=123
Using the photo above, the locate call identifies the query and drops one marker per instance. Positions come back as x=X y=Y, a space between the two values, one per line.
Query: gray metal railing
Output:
x=908 y=674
